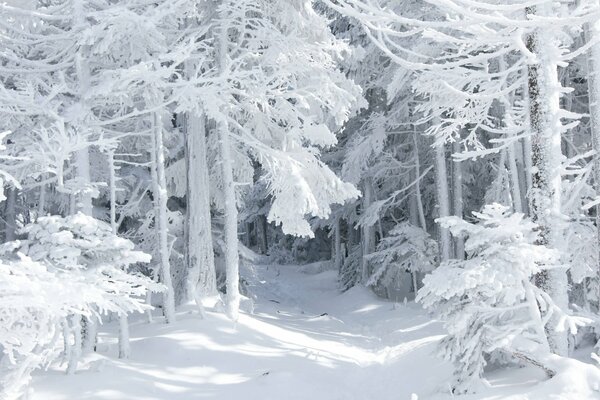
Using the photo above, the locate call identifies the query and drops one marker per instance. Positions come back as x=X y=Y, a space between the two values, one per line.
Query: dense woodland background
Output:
x=150 y=148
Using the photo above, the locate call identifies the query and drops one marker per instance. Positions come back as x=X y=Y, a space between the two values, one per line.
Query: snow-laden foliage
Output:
x=407 y=249
x=489 y=302
x=350 y=269
x=64 y=269
x=281 y=101
x=364 y=147
x=190 y=125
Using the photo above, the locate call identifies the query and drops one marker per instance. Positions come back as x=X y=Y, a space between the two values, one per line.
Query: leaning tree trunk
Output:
x=160 y=217
x=546 y=154
x=201 y=277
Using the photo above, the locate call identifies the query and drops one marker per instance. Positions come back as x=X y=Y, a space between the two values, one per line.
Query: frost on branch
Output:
x=302 y=185
x=488 y=301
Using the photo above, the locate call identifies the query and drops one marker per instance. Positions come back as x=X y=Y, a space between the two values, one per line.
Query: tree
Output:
x=488 y=301
x=407 y=248
x=262 y=98
x=66 y=268
x=475 y=43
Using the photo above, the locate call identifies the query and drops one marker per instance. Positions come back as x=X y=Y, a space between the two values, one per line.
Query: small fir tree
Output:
x=489 y=301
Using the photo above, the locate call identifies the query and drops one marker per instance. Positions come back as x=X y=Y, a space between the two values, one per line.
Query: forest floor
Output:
x=304 y=340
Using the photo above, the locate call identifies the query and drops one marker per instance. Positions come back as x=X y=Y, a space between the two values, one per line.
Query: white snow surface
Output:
x=305 y=340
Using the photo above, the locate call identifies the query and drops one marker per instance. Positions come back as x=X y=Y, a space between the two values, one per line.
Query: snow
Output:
x=305 y=340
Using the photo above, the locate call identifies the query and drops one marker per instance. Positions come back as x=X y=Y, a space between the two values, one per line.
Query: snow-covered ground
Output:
x=305 y=341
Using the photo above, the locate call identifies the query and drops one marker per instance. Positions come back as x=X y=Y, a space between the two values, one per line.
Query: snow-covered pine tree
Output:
x=489 y=302
x=66 y=268
x=407 y=248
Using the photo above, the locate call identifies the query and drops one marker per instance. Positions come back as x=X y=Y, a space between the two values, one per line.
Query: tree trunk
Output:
x=160 y=217
x=10 y=215
x=527 y=161
x=515 y=181
x=201 y=276
x=368 y=232
x=230 y=206
x=84 y=205
x=124 y=347
x=231 y=216
x=82 y=157
x=42 y=198
x=75 y=352
x=515 y=185
x=546 y=155
x=263 y=243
x=337 y=245
x=457 y=200
x=443 y=199
x=419 y=198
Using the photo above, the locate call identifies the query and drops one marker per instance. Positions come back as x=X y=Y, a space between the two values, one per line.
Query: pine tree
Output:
x=488 y=301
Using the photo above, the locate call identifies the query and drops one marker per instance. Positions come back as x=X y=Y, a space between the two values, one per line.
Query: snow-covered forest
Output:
x=299 y=199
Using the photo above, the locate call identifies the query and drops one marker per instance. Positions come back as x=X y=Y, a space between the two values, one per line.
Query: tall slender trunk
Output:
x=230 y=206
x=419 y=198
x=515 y=181
x=82 y=165
x=160 y=216
x=527 y=160
x=42 y=198
x=263 y=243
x=84 y=205
x=414 y=220
x=231 y=220
x=201 y=277
x=83 y=201
x=515 y=184
x=546 y=154
x=457 y=200
x=248 y=234
x=124 y=347
x=368 y=232
x=443 y=200
x=337 y=245
x=10 y=215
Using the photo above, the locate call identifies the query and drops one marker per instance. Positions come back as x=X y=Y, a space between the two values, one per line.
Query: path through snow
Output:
x=304 y=340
